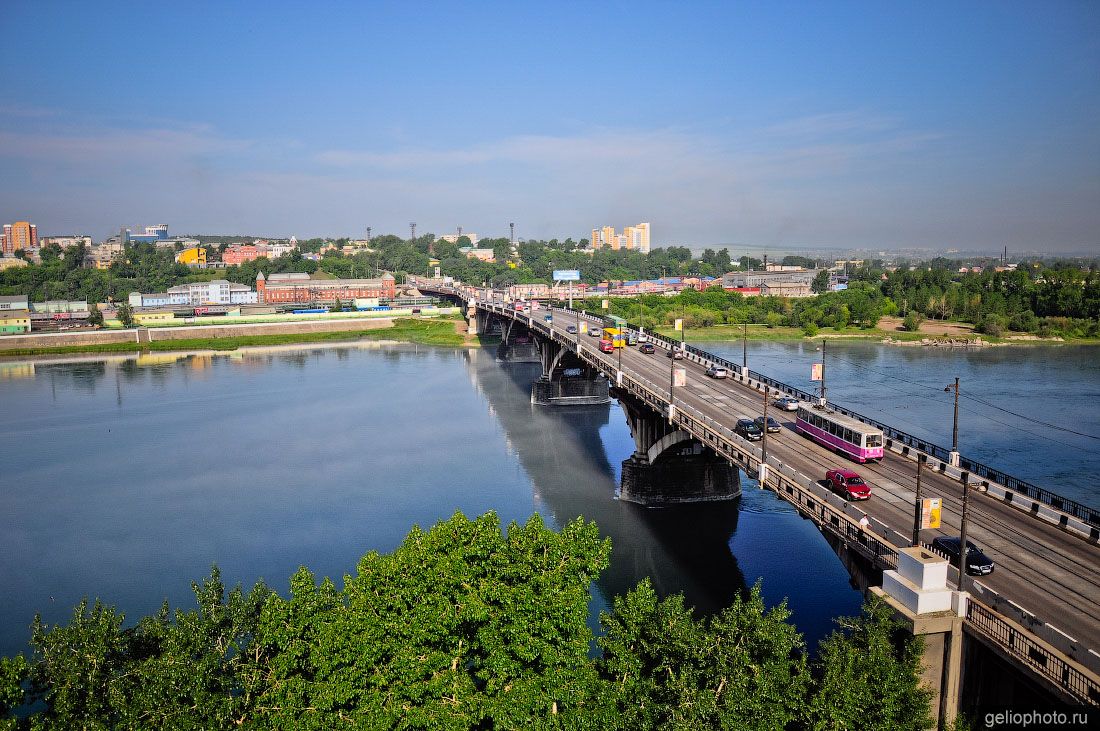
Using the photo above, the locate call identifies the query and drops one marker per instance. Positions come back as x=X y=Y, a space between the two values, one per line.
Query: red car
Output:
x=606 y=346
x=848 y=484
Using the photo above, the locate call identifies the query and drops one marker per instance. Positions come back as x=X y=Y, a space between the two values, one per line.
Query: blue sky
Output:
x=884 y=125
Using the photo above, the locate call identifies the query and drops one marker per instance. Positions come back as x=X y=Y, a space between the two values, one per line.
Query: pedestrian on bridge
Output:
x=864 y=523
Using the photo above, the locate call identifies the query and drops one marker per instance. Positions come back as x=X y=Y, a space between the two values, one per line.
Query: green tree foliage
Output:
x=665 y=669
x=821 y=282
x=868 y=677
x=912 y=321
x=460 y=627
x=95 y=317
x=125 y=314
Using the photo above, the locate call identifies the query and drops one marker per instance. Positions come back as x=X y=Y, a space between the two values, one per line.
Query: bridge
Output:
x=1039 y=610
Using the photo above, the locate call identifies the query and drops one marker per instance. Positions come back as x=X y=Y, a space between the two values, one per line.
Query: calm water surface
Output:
x=127 y=478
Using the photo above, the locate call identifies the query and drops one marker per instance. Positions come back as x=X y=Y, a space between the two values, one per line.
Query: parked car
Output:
x=786 y=403
x=675 y=354
x=606 y=346
x=977 y=562
x=749 y=430
x=571 y=329
x=718 y=372
x=773 y=425
x=647 y=348
x=848 y=484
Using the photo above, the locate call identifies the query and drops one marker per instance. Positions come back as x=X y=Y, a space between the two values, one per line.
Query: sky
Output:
x=971 y=125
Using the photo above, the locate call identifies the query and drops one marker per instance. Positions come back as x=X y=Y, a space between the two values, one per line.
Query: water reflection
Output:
x=681 y=549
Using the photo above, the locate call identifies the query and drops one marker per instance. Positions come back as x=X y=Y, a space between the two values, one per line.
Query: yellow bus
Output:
x=616 y=336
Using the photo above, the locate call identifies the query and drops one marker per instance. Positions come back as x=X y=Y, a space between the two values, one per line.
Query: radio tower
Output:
x=459 y=232
x=412 y=229
x=512 y=236
x=368 y=234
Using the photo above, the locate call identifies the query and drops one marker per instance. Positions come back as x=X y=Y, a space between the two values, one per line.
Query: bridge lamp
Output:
x=955 y=429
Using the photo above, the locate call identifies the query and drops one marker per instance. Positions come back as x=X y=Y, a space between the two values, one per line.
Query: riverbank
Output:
x=730 y=333
x=441 y=332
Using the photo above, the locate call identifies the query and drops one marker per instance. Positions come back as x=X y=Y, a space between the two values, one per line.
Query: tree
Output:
x=912 y=321
x=742 y=669
x=869 y=676
x=337 y=306
x=821 y=282
x=125 y=314
x=95 y=317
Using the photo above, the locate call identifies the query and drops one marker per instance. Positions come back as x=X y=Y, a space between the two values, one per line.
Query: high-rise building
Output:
x=634 y=238
x=18 y=235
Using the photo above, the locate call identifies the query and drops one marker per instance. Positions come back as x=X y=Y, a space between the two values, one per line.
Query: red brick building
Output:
x=239 y=254
x=304 y=289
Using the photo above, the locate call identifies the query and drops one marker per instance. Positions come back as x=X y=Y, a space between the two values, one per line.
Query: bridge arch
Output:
x=667 y=442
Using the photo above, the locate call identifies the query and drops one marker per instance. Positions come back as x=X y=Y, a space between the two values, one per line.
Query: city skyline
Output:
x=786 y=125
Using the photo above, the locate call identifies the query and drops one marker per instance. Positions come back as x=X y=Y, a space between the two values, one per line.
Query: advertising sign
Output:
x=815 y=372
x=679 y=324
x=582 y=328
x=930 y=512
x=567 y=275
x=679 y=377
x=605 y=304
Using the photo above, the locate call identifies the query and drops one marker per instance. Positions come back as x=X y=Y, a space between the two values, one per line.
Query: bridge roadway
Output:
x=1051 y=574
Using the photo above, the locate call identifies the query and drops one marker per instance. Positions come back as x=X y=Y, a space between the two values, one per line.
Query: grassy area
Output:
x=425 y=332
x=762 y=332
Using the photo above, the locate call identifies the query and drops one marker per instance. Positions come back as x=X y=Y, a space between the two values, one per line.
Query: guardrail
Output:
x=1086 y=514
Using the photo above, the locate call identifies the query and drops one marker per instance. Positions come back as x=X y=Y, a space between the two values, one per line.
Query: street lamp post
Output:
x=954 y=458
x=745 y=349
x=822 y=349
x=764 y=438
x=918 y=509
x=962 y=530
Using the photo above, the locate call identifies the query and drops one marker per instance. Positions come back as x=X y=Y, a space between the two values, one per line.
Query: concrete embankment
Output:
x=146 y=335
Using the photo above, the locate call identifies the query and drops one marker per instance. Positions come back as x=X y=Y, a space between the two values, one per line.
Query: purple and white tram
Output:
x=861 y=442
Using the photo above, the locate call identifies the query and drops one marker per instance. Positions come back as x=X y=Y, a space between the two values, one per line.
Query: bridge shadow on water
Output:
x=564 y=451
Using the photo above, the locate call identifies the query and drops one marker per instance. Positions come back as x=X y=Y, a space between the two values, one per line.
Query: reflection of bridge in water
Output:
x=681 y=549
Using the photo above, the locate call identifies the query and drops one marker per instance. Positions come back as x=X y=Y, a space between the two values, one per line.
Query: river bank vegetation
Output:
x=461 y=627
x=1059 y=298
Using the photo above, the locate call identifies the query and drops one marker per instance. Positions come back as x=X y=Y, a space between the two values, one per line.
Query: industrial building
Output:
x=216 y=292
x=306 y=288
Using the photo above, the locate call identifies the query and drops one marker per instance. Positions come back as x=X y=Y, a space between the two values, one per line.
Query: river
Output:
x=126 y=478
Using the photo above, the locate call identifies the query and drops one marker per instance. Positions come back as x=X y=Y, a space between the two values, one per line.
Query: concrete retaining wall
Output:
x=144 y=335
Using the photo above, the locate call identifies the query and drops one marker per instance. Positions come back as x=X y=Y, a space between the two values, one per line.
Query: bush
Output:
x=773 y=319
x=912 y=321
x=809 y=329
x=1025 y=322
x=993 y=325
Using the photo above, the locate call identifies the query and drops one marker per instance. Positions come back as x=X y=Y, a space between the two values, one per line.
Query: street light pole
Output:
x=917 y=513
x=823 y=372
x=764 y=439
x=955 y=429
x=962 y=529
x=745 y=349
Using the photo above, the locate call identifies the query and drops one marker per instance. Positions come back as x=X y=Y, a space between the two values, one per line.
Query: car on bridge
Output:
x=718 y=372
x=593 y=332
x=848 y=484
x=773 y=425
x=647 y=348
x=749 y=430
x=548 y=317
x=977 y=562
x=675 y=353
x=786 y=403
x=606 y=346
x=571 y=329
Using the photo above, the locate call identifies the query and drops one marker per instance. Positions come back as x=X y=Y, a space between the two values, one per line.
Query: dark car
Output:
x=647 y=348
x=571 y=329
x=675 y=354
x=977 y=563
x=773 y=425
x=749 y=430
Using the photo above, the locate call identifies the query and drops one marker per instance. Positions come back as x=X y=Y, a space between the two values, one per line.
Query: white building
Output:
x=216 y=292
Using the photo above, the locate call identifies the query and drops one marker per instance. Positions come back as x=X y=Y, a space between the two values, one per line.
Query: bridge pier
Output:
x=917 y=591
x=669 y=465
x=566 y=380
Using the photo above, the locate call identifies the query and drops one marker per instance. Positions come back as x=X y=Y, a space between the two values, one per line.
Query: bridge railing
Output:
x=1085 y=513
